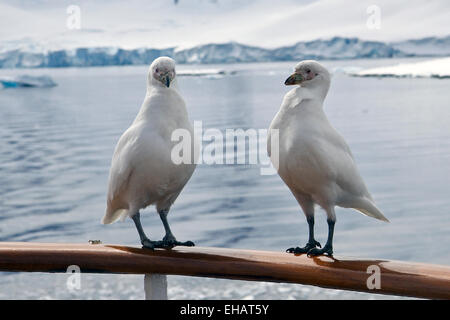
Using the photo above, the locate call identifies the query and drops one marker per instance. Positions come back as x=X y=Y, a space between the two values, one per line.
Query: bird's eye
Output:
x=308 y=71
x=157 y=70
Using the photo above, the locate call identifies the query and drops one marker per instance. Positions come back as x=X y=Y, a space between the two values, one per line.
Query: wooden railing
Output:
x=395 y=277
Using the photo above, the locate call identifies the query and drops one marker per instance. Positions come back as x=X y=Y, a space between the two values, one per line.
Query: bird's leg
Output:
x=328 y=248
x=312 y=243
x=146 y=242
x=169 y=240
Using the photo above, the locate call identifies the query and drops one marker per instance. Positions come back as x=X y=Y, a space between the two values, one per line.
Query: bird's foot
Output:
x=169 y=241
x=170 y=244
x=310 y=245
x=326 y=250
x=147 y=243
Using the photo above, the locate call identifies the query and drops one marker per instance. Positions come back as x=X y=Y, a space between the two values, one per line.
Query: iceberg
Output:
x=27 y=81
x=202 y=72
x=430 y=46
x=436 y=68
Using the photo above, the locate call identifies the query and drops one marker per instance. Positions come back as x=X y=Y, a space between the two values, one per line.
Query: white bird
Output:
x=313 y=159
x=142 y=171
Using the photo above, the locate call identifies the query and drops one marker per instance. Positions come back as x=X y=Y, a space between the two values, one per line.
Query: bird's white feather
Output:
x=142 y=171
x=314 y=160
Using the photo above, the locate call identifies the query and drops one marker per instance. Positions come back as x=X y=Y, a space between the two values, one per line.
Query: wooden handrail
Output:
x=397 y=278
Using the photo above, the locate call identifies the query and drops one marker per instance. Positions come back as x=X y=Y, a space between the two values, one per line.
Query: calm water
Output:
x=56 y=145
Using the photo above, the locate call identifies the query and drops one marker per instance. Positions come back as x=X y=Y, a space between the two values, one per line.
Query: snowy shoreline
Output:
x=436 y=68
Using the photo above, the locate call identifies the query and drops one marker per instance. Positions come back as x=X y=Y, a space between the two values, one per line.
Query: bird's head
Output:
x=162 y=72
x=310 y=74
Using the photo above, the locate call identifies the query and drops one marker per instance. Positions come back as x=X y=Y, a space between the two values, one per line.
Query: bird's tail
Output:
x=368 y=208
x=111 y=217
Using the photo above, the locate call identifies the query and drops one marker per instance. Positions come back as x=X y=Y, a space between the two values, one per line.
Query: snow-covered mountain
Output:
x=223 y=53
x=334 y=48
x=337 y=48
x=430 y=46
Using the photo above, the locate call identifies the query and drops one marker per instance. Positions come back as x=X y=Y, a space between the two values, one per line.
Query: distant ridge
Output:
x=232 y=52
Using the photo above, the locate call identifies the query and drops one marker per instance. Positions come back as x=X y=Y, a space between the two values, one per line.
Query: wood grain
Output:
x=397 y=278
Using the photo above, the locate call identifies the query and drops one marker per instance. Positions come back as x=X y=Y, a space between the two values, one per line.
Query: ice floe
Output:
x=202 y=72
x=26 y=81
x=436 y=68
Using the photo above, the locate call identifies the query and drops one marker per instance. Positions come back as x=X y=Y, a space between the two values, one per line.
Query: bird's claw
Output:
x=309 y=246
x=187 y=244
x=327 y=250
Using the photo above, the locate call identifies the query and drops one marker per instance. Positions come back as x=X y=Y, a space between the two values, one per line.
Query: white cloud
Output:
x=161 y=23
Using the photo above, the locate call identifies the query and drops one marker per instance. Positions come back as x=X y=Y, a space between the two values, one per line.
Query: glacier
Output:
x=231 y=52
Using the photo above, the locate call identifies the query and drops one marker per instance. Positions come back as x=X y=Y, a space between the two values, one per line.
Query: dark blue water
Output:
x=56 y=145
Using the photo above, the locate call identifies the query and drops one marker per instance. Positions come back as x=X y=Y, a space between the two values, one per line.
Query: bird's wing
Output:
x=346 y=175
x=121 y=167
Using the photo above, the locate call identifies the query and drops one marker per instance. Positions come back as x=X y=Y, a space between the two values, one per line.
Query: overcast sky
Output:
x=161 y=23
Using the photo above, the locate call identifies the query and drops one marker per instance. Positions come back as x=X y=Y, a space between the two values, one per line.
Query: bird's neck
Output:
x=306 y=97
x=156 y=88
x=317 y=90
x=161 y=104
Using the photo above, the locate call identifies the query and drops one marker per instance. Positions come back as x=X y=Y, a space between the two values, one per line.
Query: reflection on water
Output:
x=57 y=143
